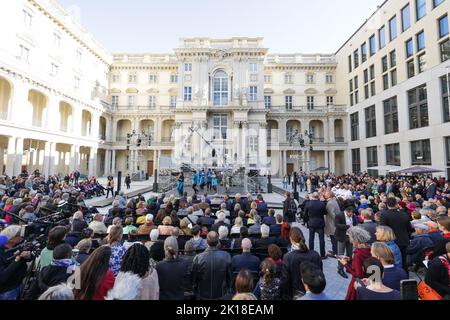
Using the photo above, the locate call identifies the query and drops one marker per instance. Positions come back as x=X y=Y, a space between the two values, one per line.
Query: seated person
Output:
x=416 y=249
x=266 y=240
x=275 y=229
x=270 y=219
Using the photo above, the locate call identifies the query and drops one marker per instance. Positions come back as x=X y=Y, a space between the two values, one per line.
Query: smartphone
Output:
x=23 y=231
x=408 y=290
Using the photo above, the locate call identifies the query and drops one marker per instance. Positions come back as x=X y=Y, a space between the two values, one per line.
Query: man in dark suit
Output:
x=275 y=229
x=246 y=260
x=316 y=211
x=344 y=221
x=399 y=221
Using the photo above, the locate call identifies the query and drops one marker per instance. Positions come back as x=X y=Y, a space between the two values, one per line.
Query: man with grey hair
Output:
x=220 y=222
x=246 y=260
x=122 y=199
x=97 y=225
x=12 y=269
x=211 y=270
x=266 y=240
x=60 y=292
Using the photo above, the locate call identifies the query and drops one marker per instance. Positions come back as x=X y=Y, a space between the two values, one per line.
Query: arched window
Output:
x=220 y=88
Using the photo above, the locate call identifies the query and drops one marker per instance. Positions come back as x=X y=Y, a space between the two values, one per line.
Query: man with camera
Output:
x=13 y=265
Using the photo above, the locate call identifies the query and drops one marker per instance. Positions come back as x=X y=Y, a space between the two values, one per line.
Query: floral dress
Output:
x=117 y=252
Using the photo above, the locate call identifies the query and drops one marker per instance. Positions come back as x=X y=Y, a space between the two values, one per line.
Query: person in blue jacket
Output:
x=180 y=186
x=195 y=179
x=202 y=179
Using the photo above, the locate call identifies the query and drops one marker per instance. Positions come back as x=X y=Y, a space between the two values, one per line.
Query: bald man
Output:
x=246 y=260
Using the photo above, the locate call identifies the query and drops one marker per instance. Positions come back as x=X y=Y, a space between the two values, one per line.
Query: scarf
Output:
x=63 y=263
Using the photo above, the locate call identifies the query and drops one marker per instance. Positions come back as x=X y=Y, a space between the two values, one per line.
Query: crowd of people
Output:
x=186 y=247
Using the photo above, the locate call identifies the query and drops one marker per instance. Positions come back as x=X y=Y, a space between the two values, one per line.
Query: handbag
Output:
x=426 y=292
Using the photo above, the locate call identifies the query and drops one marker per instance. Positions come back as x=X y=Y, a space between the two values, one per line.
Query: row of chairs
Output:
x=146 y=237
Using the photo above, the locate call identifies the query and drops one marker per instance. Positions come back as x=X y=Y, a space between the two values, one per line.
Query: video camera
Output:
x=35 y=240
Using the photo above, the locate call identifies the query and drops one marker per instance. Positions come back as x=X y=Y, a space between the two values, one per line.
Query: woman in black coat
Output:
x=172 y=272
x=438 y=274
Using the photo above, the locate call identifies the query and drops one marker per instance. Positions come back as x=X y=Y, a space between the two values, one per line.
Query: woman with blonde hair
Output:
x=386 y=234
x=166 y=228
x=184 y=227
x=392 y=274
x=114 y=239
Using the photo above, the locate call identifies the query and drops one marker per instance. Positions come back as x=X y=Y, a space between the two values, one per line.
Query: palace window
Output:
x=390 y=115
x=220 y=125
x=421 y=152
x=418 y=107
x=220 y=88
x=393 y=154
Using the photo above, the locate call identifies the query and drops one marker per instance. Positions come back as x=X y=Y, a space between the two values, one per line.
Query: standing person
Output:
x=117 y=249
x=316 y=212
x=110 y=187
x=211 y=270
x=291 y=278
x=96 y=277
x=285 y=182
x=128 y=181
x=208 y=179
x=180 y=186
x=195 y=179
x=330 y=227
x=214 y=182
x=76 y=176
x=289 y=207
x=344 y=221
x=354 y=265
x=399 y=221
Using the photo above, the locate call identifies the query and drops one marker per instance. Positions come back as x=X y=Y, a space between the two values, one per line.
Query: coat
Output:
x=342 y=227
x=438 y=276
x=332 y=210
x=172 y=273
x=245 y=260
x=356 y=270
x=291 y=278
x=211 y=274
x=316 y=211
x=398 y=220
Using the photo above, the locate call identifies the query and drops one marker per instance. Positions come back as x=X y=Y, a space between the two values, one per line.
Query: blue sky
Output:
x=306 y=26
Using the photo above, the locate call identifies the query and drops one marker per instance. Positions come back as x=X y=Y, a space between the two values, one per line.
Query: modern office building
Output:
x=66 y=103
x=393 y=75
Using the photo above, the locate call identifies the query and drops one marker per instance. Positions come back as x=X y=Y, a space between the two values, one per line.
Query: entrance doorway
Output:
x=150 y=168
x=290 y=168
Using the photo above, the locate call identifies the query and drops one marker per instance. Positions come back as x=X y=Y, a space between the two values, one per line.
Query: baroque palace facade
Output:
x=66 y=103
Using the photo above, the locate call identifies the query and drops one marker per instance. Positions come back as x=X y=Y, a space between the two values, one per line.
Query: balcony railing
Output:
x=167 y=139
x=306 y=109
x=318 y=140
x=340 y=139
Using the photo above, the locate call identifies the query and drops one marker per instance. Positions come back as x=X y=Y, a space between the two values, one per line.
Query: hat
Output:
x=3 y=240
x=411 y=206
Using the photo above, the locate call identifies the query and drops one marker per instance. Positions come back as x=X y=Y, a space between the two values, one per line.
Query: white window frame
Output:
x=310 y=78
x=132 y=78
x=267 y=78
x=253 y=143
x=220 y=87
x=253 y=94
x=173 y=101
x=253 y=67
x=288 y=102
x=174 y=78
x=267 y=102
x=77 y=82
x=288 y=78
x=221 y=126
x=24 y=53
x=152 y=78
x=114 y=101
x=187 y=93
x=27 y=18
x=188 y=67
x=330 y=100
x=54 y=69
x=131 y=101
x=152 y=101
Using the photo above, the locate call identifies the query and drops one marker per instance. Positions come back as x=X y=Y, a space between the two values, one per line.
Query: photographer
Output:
x=12 y=270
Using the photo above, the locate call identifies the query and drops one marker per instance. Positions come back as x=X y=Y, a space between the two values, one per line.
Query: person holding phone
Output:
x=371 y=287
x=354 y=265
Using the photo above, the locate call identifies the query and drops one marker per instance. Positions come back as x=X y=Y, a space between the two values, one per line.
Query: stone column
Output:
x=19 y=156
x=2 y=158
x=332 y=138
x=107 y=163
x=262 y=144
x=74 y=151
x=11 y=156
x=332 y=161
x=244 y=141
x=280 y=163
x=326 y=155
x=51 y=117
x=113 y=162
x=326 y=133
x=52 y=165
x=93 y=162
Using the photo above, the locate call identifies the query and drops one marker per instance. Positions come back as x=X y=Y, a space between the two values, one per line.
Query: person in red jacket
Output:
x=360 y=239
x=96 y=277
